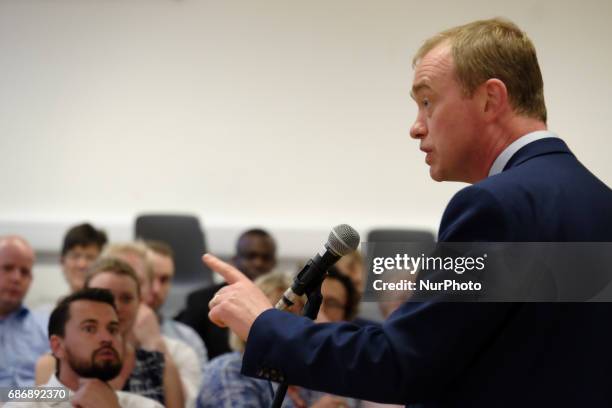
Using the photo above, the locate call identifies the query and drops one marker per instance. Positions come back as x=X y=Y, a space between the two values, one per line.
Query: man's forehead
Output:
x=249 y=242
x=85 y=248
x=433 y=66
x=17 y=248
x=82 y=310
x=162 y=264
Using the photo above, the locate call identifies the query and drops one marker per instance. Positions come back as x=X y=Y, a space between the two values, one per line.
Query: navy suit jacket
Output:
x=441 y=354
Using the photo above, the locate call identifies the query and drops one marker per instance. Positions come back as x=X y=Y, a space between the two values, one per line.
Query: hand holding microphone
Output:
x=241 y=302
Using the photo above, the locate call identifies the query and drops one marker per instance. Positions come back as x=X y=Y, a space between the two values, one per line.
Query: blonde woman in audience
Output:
x=146 y=371
x=147 y=324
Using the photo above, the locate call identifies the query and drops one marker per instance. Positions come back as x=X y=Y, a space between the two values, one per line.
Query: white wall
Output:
x=292 y=115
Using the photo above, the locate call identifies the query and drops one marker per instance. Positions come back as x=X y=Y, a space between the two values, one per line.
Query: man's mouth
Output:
x=107 y=353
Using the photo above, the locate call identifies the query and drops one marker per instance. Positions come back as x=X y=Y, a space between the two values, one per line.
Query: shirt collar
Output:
x=505 y=156
x=54 y=382
x=20 y=313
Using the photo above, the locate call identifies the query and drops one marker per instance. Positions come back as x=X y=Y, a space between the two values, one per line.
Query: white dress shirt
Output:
x=505 y=156
x=126 y=399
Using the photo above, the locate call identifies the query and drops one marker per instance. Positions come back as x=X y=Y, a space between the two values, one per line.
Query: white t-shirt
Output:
x=126 y=399
x=188 y=366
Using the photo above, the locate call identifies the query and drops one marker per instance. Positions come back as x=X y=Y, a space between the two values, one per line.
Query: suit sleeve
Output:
x=416 y=353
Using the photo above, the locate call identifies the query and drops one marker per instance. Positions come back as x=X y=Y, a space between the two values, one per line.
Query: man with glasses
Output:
x=81 y=247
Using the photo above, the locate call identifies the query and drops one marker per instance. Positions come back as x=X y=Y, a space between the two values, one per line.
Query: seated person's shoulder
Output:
x=132 y=400
x=179 y=349
x=229 y=363
x=45 y=368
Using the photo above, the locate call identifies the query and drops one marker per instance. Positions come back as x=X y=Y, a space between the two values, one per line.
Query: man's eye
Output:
x=89 y=329
x=126 y=299
x=113 y=330
x=425 y=103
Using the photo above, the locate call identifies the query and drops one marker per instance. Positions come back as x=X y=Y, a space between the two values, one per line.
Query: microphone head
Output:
x=343 y=239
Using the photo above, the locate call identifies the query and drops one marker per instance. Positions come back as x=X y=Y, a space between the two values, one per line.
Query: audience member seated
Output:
x=223 y=383
x=145 y=371
x=147 y=324
x=134 y=254
x=255 y=256
x=161 y=258
x=82 y=246
x=22 y=338
x=85 y=338
x=339 y=298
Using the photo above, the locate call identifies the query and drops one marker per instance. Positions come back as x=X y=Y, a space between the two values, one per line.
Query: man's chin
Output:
x=12 y=302
x=435 y=175
x=108 y=370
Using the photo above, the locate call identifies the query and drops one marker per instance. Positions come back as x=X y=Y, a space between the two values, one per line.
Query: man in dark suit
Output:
x=482 y=120
x=255 y=256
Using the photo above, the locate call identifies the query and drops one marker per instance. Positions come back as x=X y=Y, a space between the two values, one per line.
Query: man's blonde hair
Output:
x=494 y=48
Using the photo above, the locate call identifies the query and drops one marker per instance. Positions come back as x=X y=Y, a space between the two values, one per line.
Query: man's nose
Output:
x=15 y=274
x=418 y=129
x=106 y=337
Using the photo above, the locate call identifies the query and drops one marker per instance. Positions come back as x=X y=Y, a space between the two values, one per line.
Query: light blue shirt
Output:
x=22 y=341
x=508 y=152
x=223 y=385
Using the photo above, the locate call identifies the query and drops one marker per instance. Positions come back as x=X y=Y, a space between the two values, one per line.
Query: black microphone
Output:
x=343 y=239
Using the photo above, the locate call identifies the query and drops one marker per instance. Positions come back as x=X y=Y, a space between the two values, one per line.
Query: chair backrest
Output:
x=186 y=238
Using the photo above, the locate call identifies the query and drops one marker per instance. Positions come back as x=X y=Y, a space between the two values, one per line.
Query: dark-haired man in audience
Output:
x=86 y=341
x=81 y=247
x=161 y=258
x=255 y=255
x=22 y=338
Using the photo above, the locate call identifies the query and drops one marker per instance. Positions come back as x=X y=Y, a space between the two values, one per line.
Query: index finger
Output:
x=227 y=271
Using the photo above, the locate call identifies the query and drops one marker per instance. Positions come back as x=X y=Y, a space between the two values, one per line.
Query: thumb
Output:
x=227 y=271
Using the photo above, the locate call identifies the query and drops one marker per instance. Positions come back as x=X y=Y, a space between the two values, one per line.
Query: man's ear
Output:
x=496 y=98
x=57 y=346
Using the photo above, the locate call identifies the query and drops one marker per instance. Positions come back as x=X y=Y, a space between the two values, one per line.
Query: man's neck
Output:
x=6 y=311
x=499 y=138
x=68 y=377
